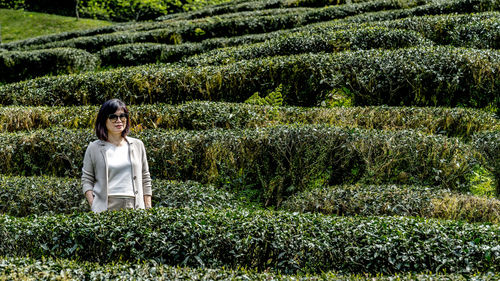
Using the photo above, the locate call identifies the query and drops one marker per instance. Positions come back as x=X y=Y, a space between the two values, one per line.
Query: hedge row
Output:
x=370 y=38
x=467 y=30
x=275 y=161
x=258 y=240
x=16 y=66
x=12 y=268
x=436 y=76
x=23 y=196
x=297 y=43
x=40 y=40
x=452 y=122
x=488 y=144
x=479 y=30
x=90 y=41
x=443 y=29
x=391 y=200
x=209 y=28
x=248 y=6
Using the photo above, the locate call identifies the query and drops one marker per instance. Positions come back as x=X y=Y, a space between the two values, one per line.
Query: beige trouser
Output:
x=119 y=203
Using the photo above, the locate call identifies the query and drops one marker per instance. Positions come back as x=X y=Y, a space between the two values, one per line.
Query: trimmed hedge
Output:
x=56 y=269
x=452 y=122
x=258 y=240
x=40 y=40
x=337 y=36
x=203 y=29
x=16 y=66
x=249 y=6
x=23 y=196
x=275 y=161
x=297 y=43
x=390 y=200
x=436 y=76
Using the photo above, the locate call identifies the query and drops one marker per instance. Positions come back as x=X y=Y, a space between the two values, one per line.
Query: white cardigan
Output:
x=95 y=173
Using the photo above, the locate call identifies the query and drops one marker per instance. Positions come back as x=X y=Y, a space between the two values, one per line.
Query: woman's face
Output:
x=118 y=126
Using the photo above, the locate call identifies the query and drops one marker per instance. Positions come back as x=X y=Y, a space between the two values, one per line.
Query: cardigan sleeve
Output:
x=146 y=177
x=88 y=177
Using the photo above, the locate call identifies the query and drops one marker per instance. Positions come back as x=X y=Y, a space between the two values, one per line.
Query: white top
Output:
x=119 y=171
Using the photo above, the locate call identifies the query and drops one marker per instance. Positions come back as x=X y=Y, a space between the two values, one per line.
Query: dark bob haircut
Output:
x=107 y=108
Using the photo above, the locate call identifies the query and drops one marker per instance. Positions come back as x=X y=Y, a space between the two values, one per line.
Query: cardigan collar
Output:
x=127 y=139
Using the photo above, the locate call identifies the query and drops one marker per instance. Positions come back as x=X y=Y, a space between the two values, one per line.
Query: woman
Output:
x=115 y=173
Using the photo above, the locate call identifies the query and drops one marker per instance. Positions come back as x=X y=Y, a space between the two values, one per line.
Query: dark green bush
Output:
x=40 y=40
x=234 y=7
x=199 y=30
x=56 y=269
x=275 y=161
x=390 y=200
x=436 y=76
x=16 y=66
x=143 y=53
x=23 y=196
x=452 y=122
x=297 y=43
x=258 y=240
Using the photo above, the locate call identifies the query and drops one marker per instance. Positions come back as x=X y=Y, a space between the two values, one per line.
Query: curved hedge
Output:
x=452 y=122
x=390 y=200
x=258 y=240
x=209 y=28
x=436 y=76
x=276 y=161
x=24 y=196
x=297 y=43
x=336 y=36
x=40 y=40
x=248 y=6
x=16 y=66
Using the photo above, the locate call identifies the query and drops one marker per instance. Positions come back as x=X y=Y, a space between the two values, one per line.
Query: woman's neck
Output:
x=117 y=140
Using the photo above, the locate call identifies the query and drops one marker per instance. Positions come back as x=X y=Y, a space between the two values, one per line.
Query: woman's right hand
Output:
x=90 y=197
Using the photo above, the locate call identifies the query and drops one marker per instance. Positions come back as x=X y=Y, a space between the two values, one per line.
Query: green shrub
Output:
x=143 y=53
x=55 y=269
x=434 y=76
x=40 y=40
x=23 y=196
x=258 y=240
x=296 y=43
x=248 y=6
x=16 y=66
x=174 y=33
x=452 y=122
x=390 y=200
x=488 y=145
x=275 y=161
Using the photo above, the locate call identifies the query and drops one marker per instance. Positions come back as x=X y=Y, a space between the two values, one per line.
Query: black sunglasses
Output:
x=113 y=117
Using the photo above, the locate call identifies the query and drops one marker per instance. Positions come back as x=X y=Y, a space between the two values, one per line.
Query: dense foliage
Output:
x=390 y=200
x=329 y=140
x=258 y=240
x=452 y=122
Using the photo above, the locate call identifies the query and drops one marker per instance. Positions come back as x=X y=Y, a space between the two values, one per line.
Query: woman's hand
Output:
x=90 y=197
x=147 y=201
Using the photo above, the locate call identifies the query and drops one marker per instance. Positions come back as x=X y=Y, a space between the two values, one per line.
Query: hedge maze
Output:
x=287 y=140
